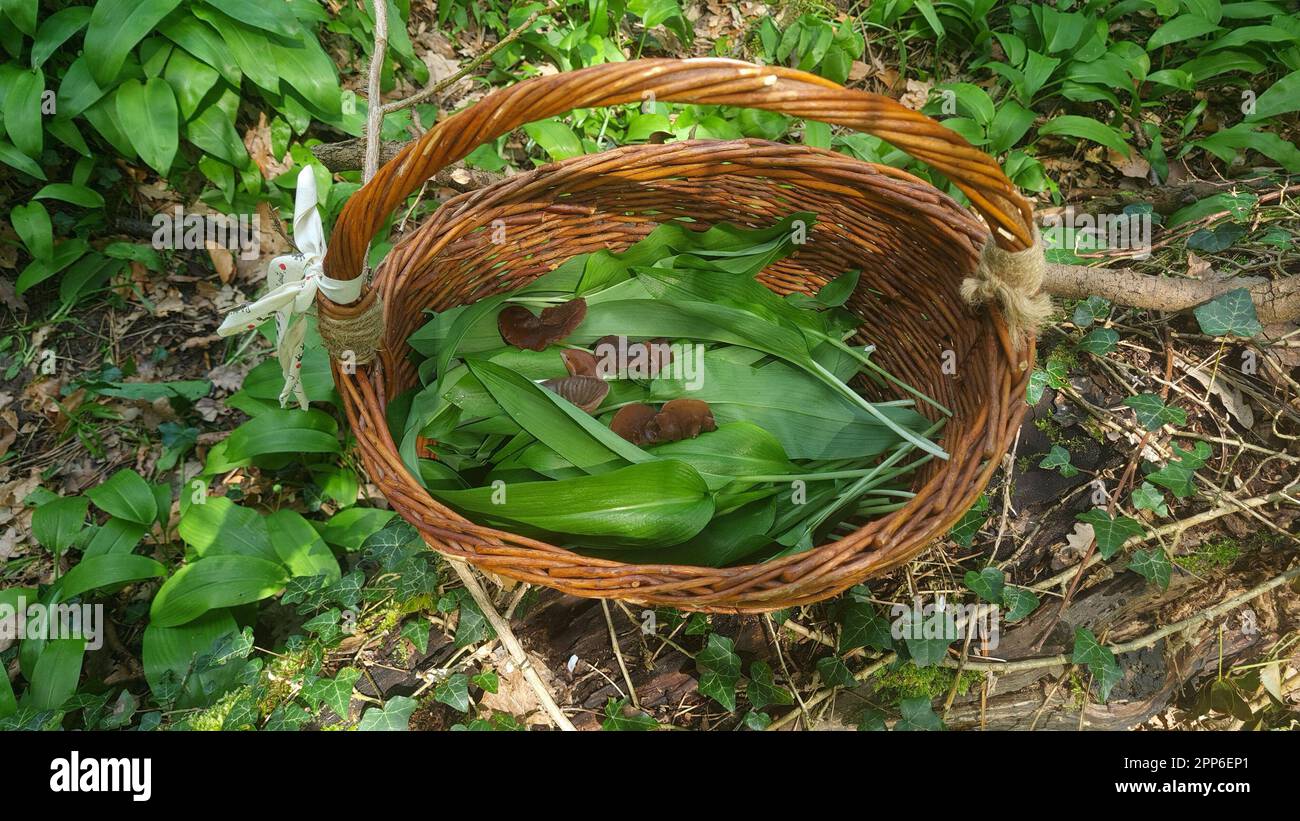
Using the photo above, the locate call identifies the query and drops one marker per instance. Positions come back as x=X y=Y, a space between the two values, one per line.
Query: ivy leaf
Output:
x=1219 y=238
x=1038 y=380
x=762 y=689
x=471 y=625
x=1111 y=533
x=242 y=715
x=1054 y=374
x=454 y=692
x=862 y=626
x=697 y=624
x=416 y=632
x=622 y=717
x=963 y=533
x=719 y=669
x=1091 y=310
x=987 y=584
x=1019 y=602
x=335 y=693
x=1148 y=497
x=1059 y=458
x=488 y=681
x=1099 y=342
x=754 y=720
x=1153 y=565
x=287 y=717
x=1230 y=314
x=1100 y=660
x=326 y=627
x=835 y=673
x=416 y=577
x=393 y=544
x=1176 y=475
x=1152 y=412
x=917 y=714
x=929 y=652
x=395 y=715
x=872 y=720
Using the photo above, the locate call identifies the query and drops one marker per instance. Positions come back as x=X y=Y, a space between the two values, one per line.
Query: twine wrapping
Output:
x=355 y=339
x=1014 y=281
x=293 y=282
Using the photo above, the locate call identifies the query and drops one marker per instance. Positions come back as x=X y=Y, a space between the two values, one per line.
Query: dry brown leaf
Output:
x=1082 y=536
x=1134 y=165
x=1196 y=267
x=222 y=260
x=917 y=94
x=515 y=695
x=259 y=143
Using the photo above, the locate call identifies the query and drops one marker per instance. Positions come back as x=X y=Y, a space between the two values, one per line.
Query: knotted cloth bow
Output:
x=293 y=281
x=1014 y=281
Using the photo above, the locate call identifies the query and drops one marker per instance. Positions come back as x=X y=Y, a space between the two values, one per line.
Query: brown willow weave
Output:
x=913 y=243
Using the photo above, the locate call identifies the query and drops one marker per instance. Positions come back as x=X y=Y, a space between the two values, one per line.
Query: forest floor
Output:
x=1233 y=659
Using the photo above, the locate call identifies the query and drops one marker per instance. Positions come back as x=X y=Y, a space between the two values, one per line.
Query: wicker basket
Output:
x=913 y=243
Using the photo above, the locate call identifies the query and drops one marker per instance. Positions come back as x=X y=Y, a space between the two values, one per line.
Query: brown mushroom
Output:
x=681 y=419
x=519 y=327
x=578 y=362
x=678 y=419
x=631 y=421
x=587 y=392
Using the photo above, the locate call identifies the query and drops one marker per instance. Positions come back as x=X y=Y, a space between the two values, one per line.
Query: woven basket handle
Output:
x=705 y=81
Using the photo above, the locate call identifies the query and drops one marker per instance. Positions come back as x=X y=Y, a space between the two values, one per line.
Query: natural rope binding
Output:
x=1014 y=281
x=354 y=338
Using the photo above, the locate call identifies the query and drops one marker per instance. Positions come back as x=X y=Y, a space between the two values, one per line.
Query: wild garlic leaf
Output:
x=661 y=502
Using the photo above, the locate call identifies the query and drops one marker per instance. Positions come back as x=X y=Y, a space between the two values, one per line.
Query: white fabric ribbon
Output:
x=292 y=282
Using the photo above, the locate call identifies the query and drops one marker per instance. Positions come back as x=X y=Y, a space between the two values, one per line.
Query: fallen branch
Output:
x=349 y=155
x=1275 y=301
x=511 y=643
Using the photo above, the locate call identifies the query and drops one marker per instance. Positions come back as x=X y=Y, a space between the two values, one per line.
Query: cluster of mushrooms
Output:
x=638 y=423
